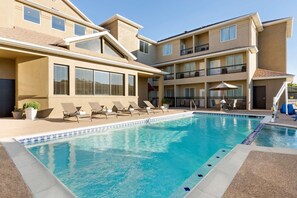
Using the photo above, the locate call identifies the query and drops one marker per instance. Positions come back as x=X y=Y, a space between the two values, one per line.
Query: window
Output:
x=95 y=31
x=58 y=23
x=61 y=79
x=79 y=30
x=228 y=33
x=235 y=61
x=84 y=82
x=189 y=92
x=102 y=85
x=143 y=47
x=214 y=67
x=236 y=92
x=110 y=50
x=117 y=84
x=32 y=15
x=167 y=49
x=169 y=69
x=132 y=85
x=169 y=92
x=190 y=66
x=93 y=45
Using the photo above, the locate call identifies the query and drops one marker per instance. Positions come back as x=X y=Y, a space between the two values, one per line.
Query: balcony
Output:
x=226 y=69
x=190 y=74
x=169 y=76
x=186 y=51
x=201 y=48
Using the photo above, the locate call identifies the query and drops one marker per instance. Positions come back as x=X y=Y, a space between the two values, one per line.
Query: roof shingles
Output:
x=264 y=73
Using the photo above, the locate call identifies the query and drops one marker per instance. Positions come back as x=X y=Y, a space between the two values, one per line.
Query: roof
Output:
x=261 y=74
x=255 y=15
x=42 y=43
x=119 y=17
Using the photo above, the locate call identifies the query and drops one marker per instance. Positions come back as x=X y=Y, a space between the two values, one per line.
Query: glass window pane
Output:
x=167 y=49
x=79 y=30
x=230 y=60
x=32 y=15
x=58 y=23
x=93 y=45
x=83 y=81
x=110 y=50
x=61 y=81
x=224 y=34
x=132 y=85
x=102 y=85
x=117 y=84
x=238 y=59
x=232 y=32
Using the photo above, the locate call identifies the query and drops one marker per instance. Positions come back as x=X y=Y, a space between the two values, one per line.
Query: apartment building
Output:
x=51 y=52
x=243 y=51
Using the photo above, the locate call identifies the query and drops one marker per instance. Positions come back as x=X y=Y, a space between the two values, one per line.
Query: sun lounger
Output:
x=119 y=108
x=97 y=109
x=148 y=110
x=71 y=111
x=149 y=104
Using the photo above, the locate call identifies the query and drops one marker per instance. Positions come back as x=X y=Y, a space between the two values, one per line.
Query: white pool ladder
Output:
x=276 y=100
x=192 y=102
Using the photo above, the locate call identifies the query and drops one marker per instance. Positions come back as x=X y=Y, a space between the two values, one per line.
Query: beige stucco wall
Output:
x=6 y=14
x=272 y=88
x=142 y=90
x=149 y=58
x=213 y=36
x=83 y=100
x=45 y=25
x=273 y=48
x=127 y=36
x=7 y=69
x=32 y=81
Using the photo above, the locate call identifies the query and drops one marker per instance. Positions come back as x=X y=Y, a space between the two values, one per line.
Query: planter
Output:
x=166 y=106
x=17 y=114
x=30 y=113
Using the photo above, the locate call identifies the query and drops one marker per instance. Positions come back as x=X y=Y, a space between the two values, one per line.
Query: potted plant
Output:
x=17 y=113
x=31 y=110
x=166 y=102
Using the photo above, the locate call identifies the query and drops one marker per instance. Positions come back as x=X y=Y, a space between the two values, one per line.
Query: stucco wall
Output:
x=273 y=48
x=7 y=69
x=142 y=90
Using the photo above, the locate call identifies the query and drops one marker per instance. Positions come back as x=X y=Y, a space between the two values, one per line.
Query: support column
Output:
x=205 y=94
x=174 y=83
x=161 y=90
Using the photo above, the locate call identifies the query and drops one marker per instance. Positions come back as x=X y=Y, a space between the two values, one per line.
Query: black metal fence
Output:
x=200 y=48
x=190 y=74
x=226 y=69
x=214 y=102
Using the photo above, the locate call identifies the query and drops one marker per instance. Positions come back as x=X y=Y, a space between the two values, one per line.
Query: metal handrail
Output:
x=200 y=48
x=224 y=69
x=187 y=74
x=186 y=51
x=192 y=102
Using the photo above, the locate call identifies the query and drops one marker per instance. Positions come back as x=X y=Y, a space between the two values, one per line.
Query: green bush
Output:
x=34 y=105
x=17 y=109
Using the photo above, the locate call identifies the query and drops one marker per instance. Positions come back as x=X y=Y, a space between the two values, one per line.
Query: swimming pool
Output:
x=276 y=136
x=154 y=160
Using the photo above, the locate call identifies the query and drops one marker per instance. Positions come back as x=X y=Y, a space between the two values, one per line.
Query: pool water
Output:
x=145 y=161
x=275 y=136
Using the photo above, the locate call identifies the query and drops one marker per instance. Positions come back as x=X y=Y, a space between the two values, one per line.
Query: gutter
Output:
x=21 y=44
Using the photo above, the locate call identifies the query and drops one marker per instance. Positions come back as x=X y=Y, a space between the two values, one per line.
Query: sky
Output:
x=164 y=18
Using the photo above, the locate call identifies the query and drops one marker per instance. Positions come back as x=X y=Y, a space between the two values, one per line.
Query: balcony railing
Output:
x=190 y=74
x=200 y=48
x=169 y=76
x=214 y=102
x=226 y=69
x=185 y=101
x=186 y=51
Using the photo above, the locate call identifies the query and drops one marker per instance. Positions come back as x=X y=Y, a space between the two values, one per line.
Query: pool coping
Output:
x=217 y=181
x=41 y=182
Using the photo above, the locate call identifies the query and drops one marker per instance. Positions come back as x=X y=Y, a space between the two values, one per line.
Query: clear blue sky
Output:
x=164 y=18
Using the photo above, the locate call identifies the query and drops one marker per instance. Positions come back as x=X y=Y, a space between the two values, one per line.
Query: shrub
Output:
x=34 y=105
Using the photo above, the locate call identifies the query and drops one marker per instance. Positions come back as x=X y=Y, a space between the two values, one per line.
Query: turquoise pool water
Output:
x=146 y=161
x=275 y=136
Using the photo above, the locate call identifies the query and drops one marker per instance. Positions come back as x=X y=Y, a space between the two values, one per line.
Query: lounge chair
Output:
x=150 y=105
x=148 y=110
x=119 y=108
x=71 y=111
x=97 y=109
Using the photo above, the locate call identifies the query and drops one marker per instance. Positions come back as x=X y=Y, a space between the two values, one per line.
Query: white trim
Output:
x=252 y=49
x=253 y=16
x=141 y=37
x=109 y=37
x=30 y=46
x=273 y=77
x=68 y=2
x=124 y=19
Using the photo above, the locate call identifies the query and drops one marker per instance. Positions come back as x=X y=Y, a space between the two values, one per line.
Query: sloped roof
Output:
x=267 y=74
x=47 y=43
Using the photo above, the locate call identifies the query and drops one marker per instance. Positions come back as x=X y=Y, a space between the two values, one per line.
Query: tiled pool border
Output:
x=55 y=135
